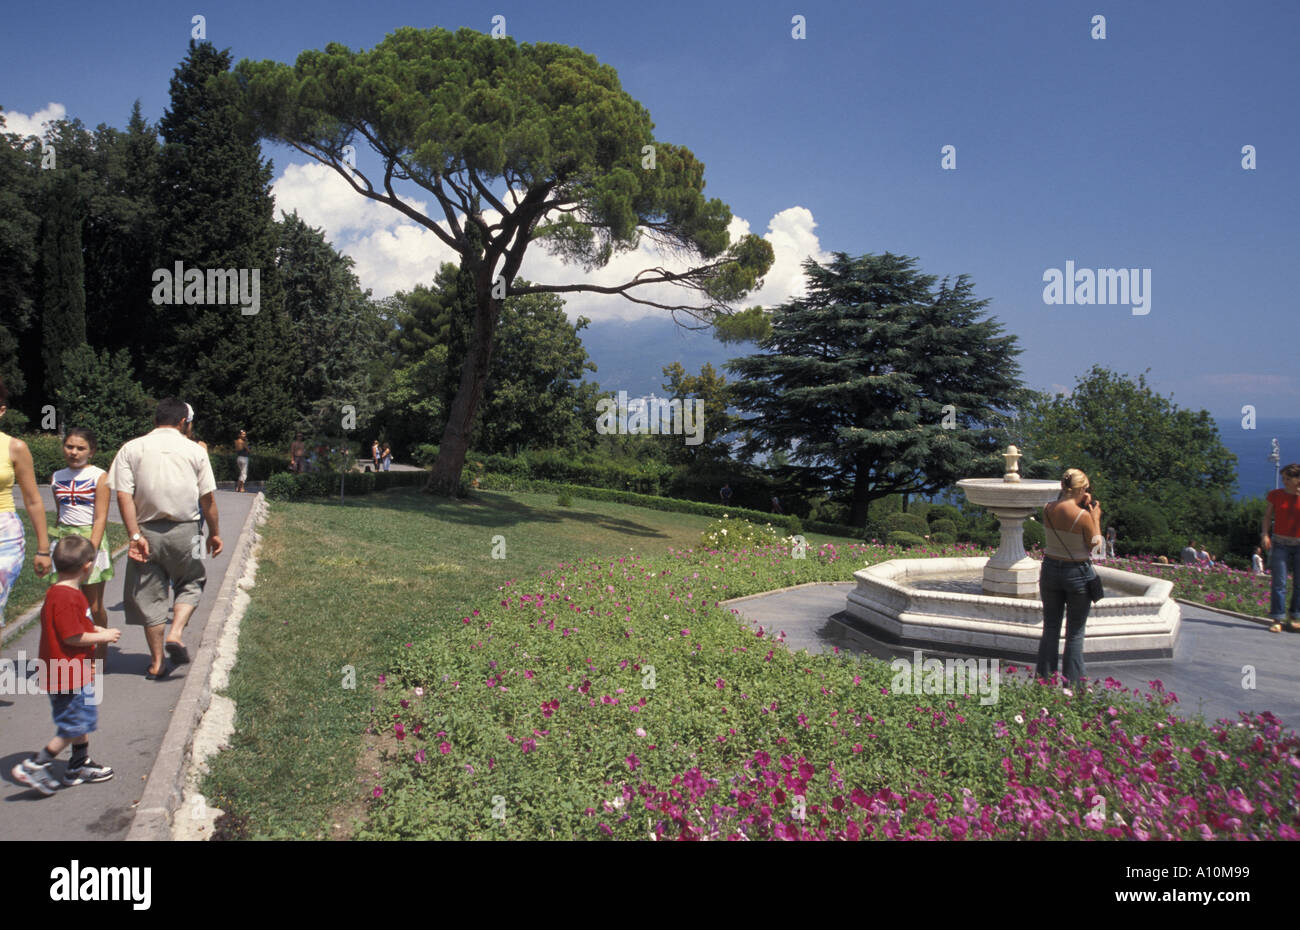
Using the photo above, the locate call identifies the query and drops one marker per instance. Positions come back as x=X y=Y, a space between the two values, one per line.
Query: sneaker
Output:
x=87 y=771
x=33 y=774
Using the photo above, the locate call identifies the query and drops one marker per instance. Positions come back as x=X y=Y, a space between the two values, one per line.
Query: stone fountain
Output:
x=991 y=606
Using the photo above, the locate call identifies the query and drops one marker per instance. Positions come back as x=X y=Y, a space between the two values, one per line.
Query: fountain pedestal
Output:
x=1010 y=572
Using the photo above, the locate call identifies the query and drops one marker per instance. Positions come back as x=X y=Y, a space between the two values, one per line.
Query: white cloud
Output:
x=394 y=253
x=33 y=125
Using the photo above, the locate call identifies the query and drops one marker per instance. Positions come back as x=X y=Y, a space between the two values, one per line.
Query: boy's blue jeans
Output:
x=1063 y=586
x=1283 y=559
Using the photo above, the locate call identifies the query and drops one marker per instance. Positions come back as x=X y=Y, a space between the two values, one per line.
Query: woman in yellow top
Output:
x=16 y=468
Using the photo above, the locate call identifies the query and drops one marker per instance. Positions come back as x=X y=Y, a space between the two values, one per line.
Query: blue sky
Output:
x=1117 y=153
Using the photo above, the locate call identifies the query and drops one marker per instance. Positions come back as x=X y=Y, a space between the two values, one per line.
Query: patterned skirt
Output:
x=103 y=561
x=13 y=549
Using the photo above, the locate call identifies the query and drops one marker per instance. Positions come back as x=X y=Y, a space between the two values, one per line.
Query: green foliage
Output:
x=290 y=487
x=337 y=331
x=944 y=526
x=1035 y=534
x=1142 y=453
x=939 y=512
x=946 y=539
x=856 y=376
x=749 y=325
x=907 y=522
x=712 y=390
x=565 y=499
x=730 y=534
x=13 y=422
x=62 y=274
x=903 y=538
x=461 y=113
x=215 y=211
x=99 y=391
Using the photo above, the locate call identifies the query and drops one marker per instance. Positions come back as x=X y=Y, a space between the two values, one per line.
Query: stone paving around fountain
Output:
x=1206 y=671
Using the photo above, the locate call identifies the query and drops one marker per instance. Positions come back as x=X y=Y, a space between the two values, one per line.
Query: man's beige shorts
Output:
x=148 y=586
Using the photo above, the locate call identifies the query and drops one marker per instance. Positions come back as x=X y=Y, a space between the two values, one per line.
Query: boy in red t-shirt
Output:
x=68 y=640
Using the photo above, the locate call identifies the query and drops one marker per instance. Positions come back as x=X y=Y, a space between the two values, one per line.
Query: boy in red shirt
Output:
x=68 y=640
x=1283 y=546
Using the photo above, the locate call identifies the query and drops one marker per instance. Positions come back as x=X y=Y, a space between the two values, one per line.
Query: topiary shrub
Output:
x=939 y=512
x=565 y=499
x=947 y=527
x=904 y=538
x=906 y=523
x=943 y=539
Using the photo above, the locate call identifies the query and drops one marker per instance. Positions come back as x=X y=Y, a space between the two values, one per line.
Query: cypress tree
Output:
x=215 y=211
x=62 y=275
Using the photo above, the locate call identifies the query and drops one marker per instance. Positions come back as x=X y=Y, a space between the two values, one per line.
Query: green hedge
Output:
x=47 y=458
x=285 y=486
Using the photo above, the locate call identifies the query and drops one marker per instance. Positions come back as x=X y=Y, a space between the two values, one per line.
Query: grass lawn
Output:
x=344 y=587
x=396 y=681
x=30 y=590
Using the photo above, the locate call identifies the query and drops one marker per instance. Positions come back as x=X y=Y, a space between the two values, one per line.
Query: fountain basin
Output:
x=1136 y=620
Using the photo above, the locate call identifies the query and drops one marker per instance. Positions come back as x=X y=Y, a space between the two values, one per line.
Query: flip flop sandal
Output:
x=1275 y=628
x=178 y=653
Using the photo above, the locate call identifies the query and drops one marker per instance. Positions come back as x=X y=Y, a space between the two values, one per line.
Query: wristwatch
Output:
x=136 y=537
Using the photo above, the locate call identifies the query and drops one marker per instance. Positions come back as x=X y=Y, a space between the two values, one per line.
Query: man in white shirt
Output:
x=163 y=480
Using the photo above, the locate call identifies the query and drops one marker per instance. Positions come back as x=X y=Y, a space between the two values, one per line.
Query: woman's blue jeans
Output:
x=1063 y=586
x=1284 y=559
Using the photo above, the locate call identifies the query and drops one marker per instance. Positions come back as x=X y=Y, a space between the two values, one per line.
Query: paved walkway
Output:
x=133 y=715
x=1206 y=671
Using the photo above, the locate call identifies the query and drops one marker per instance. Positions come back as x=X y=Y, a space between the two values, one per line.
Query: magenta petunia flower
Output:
x=400 y=731
x=444 y=747
x=377 y=792
x=419 y=757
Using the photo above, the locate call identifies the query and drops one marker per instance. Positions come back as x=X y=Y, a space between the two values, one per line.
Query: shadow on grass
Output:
x=492 y=509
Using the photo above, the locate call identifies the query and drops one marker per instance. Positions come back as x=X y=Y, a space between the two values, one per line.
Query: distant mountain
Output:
x=630 y=356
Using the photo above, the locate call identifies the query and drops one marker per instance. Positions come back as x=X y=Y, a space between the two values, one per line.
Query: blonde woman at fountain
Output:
x=1073 y=525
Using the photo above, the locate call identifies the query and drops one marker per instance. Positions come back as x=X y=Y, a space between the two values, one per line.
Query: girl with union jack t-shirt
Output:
x=81 y=494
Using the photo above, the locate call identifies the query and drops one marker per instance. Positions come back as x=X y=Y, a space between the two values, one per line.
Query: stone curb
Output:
x=1262 y=621
x=165 y=785
x=16 y=629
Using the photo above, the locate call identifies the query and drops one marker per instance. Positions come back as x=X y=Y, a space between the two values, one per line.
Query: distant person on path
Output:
x=1073 y=527
x=387 y=457
x=1190 y=554
x=81 y=496
x=16 y=468
x=374 y=453
x=241 y=458
x=776 y=504
x=1111 y=537
x=68 y=640
x=1257 y=562
x=725 y=494
x=297 y=454
x=1280 y=537
x=163 y=481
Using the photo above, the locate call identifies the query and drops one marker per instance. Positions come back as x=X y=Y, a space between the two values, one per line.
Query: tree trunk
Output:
x=861 y=499
x=445 y=477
